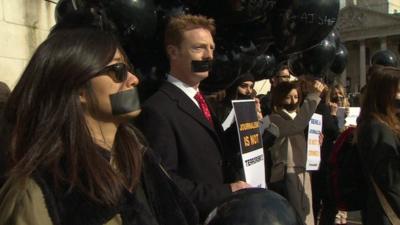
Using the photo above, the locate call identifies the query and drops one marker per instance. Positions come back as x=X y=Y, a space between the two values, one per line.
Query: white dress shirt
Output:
x=188 y=90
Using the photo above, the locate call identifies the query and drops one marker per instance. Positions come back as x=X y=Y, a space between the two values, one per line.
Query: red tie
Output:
x=203 y=106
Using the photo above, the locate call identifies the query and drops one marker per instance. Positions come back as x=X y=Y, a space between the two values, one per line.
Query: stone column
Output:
x=362 y=64
x=383 y=41
x=343 y=77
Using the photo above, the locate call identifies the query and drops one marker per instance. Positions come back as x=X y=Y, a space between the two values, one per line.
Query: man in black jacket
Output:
x=177 y=121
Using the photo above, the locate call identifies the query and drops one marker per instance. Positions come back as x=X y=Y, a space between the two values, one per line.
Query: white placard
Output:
x=250 y=141
x=230 y=119
x=313 y=146
x=351 y=119
x=347 y=116
x=253 y=163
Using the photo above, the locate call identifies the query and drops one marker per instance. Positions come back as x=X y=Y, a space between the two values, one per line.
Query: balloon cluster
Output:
x=329 y=54
x=252 y=35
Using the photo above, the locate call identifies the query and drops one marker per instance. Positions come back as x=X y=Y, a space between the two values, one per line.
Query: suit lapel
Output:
x=186 y=104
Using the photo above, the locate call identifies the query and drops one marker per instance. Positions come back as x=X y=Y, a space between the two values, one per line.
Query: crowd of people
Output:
x=78 y=146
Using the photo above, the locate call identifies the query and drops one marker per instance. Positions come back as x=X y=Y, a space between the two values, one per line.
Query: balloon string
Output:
x=74 y=5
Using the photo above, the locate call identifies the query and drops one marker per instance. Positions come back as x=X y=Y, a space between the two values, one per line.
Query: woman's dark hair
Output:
x=280 y=92
x=50 y=133
x=379 y=99
x=232 y=90
x=283 y=66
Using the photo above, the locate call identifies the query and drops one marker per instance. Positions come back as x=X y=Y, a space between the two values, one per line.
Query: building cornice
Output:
x=357 y=23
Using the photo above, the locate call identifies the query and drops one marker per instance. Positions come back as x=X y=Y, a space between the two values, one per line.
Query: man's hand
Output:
x=238 y=185
x=321 y=139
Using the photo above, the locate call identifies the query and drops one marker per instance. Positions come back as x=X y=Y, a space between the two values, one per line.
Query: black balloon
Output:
x=264 y=66
x=334 y=35
x=254 y=206
x=300 y=24
x=168 y=8
x=238 y=19
x=245 y=56
x=245 y=50
x=296 y=66
x=225 y=69
x=315 y=61
x=232 y=11
x=340 y=61
x=135 y=19
x=385 y=58
x=232 y=60
x=140 y=30
x=319 y=58
x=63 y=8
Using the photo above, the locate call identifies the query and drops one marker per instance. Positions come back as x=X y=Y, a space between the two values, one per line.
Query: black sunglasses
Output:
x=118 y=71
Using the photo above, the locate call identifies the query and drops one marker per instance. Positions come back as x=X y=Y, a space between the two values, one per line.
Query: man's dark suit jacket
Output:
x=190 y=148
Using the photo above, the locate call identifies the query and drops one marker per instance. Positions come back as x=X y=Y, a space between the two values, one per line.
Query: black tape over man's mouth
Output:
x=201 y=65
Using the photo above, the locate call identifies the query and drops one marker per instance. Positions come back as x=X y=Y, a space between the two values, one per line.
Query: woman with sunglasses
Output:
x=73 y=157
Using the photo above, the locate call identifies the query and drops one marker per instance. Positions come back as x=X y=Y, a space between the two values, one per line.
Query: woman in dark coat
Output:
x=378 y=142
x=73 y=157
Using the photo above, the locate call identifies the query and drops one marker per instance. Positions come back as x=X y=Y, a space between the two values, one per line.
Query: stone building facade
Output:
x=24 y=24
x=384 y=6
x=365 y=31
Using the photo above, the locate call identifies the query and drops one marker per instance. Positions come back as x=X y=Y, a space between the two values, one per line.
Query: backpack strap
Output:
x=392 y=216
x=394 y=219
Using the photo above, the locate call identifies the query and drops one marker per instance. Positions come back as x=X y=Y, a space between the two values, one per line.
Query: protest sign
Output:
x=313 y=146
x=250 y=141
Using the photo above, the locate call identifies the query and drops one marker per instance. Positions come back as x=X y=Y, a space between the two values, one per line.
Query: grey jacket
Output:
x=289 y=150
